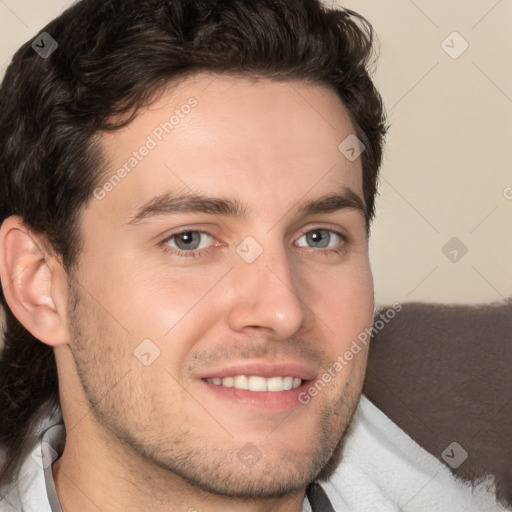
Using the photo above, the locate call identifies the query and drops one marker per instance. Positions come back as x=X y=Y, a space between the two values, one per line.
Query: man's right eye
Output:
x=189 y=240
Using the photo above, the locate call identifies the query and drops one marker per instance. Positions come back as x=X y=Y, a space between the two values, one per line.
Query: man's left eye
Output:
x=319 y=239
x=190 y=240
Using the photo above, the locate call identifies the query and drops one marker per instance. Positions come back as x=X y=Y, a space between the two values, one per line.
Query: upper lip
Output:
x=262 y=369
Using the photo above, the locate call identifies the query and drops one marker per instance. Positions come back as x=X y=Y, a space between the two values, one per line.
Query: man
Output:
x=187 y=193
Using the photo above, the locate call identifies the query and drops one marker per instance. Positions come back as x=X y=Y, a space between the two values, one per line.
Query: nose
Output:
x=266 y=297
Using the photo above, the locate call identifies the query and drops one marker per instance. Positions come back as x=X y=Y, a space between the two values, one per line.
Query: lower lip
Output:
x=273 y=401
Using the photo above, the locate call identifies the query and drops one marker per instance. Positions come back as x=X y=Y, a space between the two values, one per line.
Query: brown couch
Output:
x=443 y=374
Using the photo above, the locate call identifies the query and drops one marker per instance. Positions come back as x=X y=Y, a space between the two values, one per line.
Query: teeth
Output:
x=240 y=382
x=275 y=384
x=287 y=383
x=257 y=383
x=228 y=382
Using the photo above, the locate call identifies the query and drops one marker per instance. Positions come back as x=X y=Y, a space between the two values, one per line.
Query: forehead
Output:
x=257 y=140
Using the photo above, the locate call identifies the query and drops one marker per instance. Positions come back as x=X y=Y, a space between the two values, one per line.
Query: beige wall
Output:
x=448 y=158
x=449 y=153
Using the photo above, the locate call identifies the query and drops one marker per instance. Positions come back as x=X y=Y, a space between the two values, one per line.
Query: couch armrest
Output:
x=444 y=374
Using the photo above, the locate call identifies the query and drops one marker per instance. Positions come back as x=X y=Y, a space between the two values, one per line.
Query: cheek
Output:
x=151 y=299
x=347 y=302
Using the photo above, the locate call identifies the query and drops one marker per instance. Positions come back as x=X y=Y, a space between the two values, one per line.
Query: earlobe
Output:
x=32 y=284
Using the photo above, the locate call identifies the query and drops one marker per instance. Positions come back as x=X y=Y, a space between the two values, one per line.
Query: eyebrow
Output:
x=169 y=203
x=345 y=199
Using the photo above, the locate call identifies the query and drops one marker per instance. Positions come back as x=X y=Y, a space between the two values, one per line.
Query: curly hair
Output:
x=113 y=57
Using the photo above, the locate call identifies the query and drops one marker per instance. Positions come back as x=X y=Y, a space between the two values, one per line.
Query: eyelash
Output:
x=202 y=252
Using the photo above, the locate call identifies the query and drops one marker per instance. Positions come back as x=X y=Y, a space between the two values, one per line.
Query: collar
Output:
x=318 y=499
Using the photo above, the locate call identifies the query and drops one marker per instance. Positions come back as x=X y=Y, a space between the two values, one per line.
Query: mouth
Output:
x=257 y=383
x=259 y=386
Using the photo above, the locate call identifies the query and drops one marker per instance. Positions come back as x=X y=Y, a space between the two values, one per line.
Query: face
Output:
x=223 y=273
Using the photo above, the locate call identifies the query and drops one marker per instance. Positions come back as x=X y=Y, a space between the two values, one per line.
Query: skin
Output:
x=158 y=437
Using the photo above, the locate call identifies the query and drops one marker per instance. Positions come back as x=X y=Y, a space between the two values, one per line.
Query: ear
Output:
x=34 y=283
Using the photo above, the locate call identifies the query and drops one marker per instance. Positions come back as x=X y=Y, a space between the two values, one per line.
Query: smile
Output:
x=257 y=383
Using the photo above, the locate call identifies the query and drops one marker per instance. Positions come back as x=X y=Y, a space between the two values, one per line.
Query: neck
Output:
x=93 y=477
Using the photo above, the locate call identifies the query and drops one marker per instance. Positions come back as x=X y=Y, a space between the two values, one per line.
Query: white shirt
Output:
x=382 y=470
